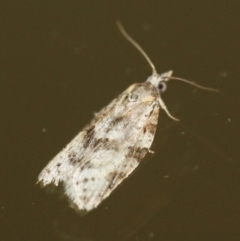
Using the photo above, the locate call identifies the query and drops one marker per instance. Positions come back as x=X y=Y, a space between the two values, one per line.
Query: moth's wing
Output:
x=114 y=157
x=107 y=150
x=63 y=164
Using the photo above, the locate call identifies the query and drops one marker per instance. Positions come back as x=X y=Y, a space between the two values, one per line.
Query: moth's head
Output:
x=159 y=81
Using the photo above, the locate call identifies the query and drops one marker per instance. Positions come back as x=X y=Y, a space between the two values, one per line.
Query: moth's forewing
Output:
x=98 y=159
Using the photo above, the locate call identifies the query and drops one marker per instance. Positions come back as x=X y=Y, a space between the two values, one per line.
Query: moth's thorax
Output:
x=141 y=92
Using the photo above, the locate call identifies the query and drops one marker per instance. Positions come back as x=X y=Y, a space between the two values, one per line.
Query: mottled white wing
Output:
x=107 y=150
x=112 y=160
x=63 y=164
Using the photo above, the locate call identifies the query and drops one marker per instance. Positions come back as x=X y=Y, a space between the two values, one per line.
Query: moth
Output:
x=110 y=148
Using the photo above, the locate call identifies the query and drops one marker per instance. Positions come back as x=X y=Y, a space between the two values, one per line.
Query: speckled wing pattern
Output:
x=107 y=150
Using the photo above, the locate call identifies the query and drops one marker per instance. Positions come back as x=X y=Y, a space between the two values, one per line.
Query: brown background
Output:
x=60 y=61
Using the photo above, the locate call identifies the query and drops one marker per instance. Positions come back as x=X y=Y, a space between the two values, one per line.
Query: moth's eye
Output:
x=162 y=86
x=132 y=97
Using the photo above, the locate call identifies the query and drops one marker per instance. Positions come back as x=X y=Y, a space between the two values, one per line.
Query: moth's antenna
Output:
x=192 y=83
x=136 y=45
x=152 y=79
